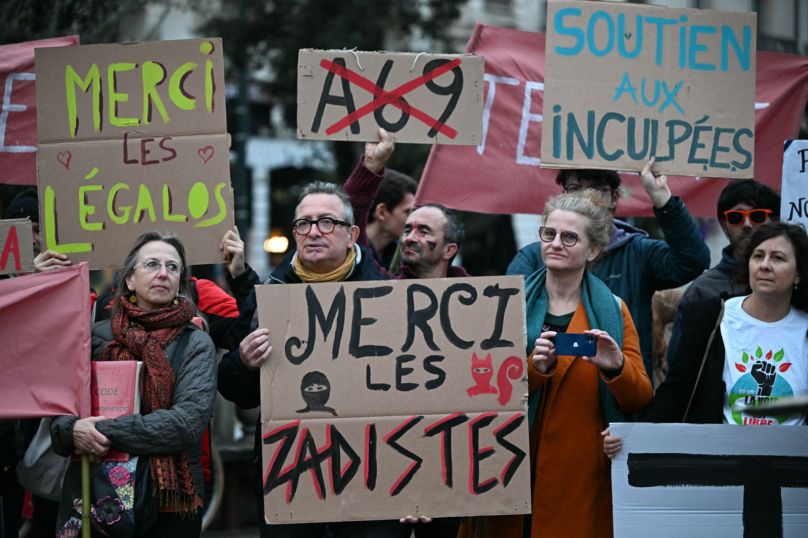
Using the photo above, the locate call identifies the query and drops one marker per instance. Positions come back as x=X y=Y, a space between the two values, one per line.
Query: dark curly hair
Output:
x=797 y=236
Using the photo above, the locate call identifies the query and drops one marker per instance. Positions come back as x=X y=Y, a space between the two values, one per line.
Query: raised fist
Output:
x=764 y=373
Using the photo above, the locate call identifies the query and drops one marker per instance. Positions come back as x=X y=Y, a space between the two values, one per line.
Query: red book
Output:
x=115 y=392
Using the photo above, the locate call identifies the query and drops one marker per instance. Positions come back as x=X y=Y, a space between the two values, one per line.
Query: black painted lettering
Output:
x=402 y=371
x=420 y=318
x=374 y=386
x=392 y=440
x=477 y=455
x=518 y=454
x=354 y=348
x=504 y=295
x=440 y=375
x=379 y=116
x=327 y=99
x=445 y=322
x=444 y=427
x=337 y=312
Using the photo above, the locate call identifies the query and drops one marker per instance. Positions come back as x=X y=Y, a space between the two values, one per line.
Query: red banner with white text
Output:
x=503 y=174
x=18 y=135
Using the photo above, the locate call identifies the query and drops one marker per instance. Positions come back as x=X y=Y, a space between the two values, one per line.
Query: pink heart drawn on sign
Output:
x=64 y=158
x=206 y=153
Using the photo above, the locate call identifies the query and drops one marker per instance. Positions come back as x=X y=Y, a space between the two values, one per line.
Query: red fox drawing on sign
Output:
x=482 y=371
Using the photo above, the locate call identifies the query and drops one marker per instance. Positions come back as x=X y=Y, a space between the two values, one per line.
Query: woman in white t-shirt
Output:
x=746 y=350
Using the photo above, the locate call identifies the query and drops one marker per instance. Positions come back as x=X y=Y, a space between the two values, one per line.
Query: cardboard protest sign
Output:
x=625 y=82
x=671 y=480
x=18 y=138
x=17 y=243
x=422 y=98
x=132 y=139
x=45 y=345
x=503 y=174
x=794 y=201
x=406 y=397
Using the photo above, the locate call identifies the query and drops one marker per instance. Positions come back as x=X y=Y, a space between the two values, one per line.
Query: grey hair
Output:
x=323 y=187
x=123 y=293
x=589 y=204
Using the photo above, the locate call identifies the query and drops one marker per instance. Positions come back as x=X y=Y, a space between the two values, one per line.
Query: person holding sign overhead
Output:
x=572 y=398
x=432 y=233
x=327 y=251
x=151 y=321
x=636 y=266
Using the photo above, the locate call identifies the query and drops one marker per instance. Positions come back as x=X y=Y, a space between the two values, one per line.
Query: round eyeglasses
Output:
x=152 y=266
x=547 y=235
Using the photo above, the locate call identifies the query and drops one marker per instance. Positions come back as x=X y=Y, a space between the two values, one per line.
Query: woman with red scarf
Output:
x=150 y=313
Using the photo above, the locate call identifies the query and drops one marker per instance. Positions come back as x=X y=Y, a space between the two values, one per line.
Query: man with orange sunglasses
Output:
x=743 y=206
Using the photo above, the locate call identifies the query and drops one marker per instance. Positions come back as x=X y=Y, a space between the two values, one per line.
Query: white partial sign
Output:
x=716 y=481
x=794 y=204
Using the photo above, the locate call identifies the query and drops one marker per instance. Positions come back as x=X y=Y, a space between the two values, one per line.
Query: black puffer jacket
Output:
x=164 y=431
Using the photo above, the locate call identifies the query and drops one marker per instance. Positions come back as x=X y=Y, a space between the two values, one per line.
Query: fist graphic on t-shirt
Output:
x=764 y=373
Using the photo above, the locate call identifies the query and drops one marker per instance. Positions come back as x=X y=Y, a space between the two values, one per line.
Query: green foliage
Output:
x=95 y=21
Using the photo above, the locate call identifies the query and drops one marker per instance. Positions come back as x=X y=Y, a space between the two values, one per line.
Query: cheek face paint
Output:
x=430 y=244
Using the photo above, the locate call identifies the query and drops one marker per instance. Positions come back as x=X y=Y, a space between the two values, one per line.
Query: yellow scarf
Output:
x=337 y=275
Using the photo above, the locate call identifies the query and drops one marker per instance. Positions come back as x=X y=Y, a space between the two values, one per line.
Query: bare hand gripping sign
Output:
x=391 y=398
x=423 y=98
x=625 y=83
x=132 y=138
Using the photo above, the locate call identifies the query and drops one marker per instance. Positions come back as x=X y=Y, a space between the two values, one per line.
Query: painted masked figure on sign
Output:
x=482 y=371
x=316 y=390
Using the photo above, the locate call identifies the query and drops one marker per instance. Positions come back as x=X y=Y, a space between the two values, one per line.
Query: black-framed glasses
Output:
x=547 y=235
x=152 y=266
x=575 y=187
x=326 y=225
x=756 y=216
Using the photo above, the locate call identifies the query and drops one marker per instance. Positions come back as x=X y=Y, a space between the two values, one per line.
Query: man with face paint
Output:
x=432 y=233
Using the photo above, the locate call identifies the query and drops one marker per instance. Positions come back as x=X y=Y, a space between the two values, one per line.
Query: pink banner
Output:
x=503 y=174
x=45 y=344
x=18 y=136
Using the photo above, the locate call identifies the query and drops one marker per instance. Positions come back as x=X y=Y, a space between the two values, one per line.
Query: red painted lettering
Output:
x=12 y=246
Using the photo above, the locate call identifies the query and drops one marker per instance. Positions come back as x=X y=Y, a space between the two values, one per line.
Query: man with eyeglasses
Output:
x=636 y=266
x=327 y=251
x=743 y=206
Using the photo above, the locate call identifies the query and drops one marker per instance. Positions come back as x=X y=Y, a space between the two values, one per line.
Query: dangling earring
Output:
x=176 y=301
x=132 y=299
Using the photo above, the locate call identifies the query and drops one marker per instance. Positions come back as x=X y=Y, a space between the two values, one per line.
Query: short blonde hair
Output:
x=589 y=204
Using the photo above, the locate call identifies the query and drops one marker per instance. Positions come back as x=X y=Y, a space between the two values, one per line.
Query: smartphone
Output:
x=577 y=345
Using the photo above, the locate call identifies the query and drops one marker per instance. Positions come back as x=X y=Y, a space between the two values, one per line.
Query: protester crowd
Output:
x=588 y=273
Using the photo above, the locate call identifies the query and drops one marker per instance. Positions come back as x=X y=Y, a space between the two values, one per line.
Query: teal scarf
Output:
x=602 y=311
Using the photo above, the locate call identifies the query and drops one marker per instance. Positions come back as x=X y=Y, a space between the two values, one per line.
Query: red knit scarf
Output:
x=142 y=335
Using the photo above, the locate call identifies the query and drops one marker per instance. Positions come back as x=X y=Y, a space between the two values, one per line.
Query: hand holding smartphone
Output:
x=576 y=345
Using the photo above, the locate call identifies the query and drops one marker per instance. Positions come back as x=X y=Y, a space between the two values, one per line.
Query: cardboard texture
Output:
x=373 y=391
x=625 y=82
x=345 y=95
x=18 y=138
x=717 y=481
x=794 y=201
x=17 y=242
x=133 y=138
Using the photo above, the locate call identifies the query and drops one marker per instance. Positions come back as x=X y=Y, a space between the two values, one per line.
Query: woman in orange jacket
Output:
x=572 y=399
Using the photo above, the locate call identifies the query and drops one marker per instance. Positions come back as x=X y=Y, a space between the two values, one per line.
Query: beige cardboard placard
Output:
x=624 y=82
x=422 y=98
x=17 y=243
x=382 y=399
x=132 y=138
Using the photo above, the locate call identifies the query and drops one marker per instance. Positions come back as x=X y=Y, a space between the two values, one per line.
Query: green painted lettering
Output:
x=115 y=97
x=93 y=79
